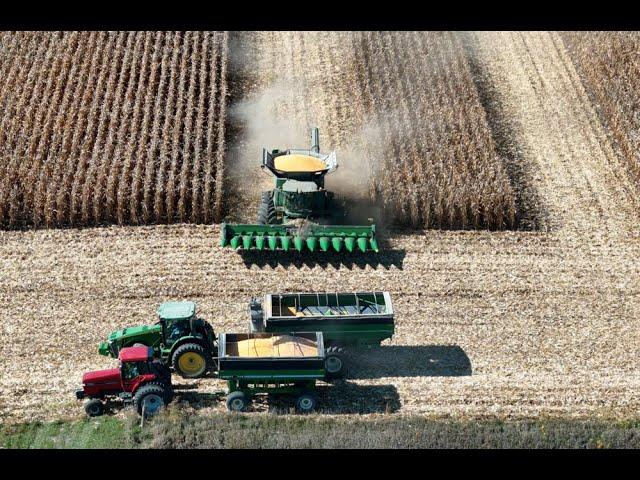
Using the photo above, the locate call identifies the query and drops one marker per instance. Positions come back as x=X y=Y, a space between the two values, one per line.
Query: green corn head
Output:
x=314 y=238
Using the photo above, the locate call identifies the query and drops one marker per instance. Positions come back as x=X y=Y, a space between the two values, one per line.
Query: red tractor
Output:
x=140 y=380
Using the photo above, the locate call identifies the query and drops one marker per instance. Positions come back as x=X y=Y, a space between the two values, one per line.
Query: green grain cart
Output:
x=345 y=320
x=258 y=363
x=299 y=213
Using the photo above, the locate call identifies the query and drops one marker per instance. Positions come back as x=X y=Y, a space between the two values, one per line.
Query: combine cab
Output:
x=299 y=213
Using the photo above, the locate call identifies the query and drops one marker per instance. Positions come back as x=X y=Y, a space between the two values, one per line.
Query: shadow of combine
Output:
x=386 y=258
x=409 y=361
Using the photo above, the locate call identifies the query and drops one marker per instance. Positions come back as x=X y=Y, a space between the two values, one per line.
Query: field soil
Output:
x=508 y=324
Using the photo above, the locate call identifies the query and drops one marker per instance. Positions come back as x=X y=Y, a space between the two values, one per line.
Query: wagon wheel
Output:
x=306 y=402
x=334 y=362
x=238 y=401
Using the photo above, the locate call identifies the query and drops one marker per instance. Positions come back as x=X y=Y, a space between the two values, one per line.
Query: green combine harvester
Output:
x=299 y=213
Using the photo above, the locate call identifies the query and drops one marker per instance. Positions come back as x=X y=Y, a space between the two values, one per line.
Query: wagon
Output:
x=256 y=363
x=345 y=320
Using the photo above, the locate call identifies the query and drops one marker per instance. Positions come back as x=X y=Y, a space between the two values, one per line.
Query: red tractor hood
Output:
x=102 y=376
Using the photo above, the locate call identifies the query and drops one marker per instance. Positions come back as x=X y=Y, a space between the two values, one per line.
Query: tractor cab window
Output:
x=131 y=370
x=175 y=330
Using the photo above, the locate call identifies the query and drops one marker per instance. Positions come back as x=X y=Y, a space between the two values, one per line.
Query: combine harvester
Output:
x=299 y=213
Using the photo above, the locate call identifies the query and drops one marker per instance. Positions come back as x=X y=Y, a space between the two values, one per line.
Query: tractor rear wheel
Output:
x=306 y=402
x=238 y=401
x=190 y=360
x=94 y=408
x=150 y=398
x=266 y=210
x=334 y=362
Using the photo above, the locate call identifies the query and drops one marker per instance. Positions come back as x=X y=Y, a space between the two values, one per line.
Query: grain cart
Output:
x=299 y=213
x=254 y=363
x=140 y=380
x=179 y=338
x=345 y=320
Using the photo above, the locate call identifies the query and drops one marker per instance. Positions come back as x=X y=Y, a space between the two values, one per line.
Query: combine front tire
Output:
x=306 y=403
x=334 y=362
x=190 y=360
x=237 y=401
x=150 y=398
x=94 y=408
x=266 y=210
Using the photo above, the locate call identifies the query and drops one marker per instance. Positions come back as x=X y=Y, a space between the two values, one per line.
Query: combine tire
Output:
x=94 y=408
x=190 y=360
x=334 y=362
x=306 y=403
x=151 y=397
x=237 y=401
x=266 y=210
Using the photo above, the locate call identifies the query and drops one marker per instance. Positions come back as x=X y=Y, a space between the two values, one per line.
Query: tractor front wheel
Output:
x=94 y=408
x=149 y=399
x=190 y=360
x=238 y=401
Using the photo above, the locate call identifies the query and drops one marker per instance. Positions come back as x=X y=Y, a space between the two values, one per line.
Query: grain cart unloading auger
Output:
x=299 y=213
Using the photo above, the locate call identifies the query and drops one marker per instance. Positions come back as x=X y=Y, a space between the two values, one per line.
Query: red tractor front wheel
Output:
x=94 y=408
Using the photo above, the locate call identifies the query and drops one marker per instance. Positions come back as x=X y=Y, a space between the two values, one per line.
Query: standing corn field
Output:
x=111 y=127
x=609 y=66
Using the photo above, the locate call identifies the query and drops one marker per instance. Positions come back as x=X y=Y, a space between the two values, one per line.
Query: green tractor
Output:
x=179 y=338
x=299 y=213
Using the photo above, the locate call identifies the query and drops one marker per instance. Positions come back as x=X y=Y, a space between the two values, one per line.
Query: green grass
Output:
x=104 y=432
x=177 y=429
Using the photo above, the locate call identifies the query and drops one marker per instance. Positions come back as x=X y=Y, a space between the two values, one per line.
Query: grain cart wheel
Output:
x=334 y=362
x=190 y=360
x=238 y=401
x=151 y=397
x=94 y=408
x=306 y=403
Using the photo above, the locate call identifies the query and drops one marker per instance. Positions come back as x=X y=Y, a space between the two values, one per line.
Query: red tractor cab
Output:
x=140 y=380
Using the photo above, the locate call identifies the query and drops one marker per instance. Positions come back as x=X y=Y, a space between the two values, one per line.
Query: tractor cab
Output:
x=136 y=363
x=178 y=320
